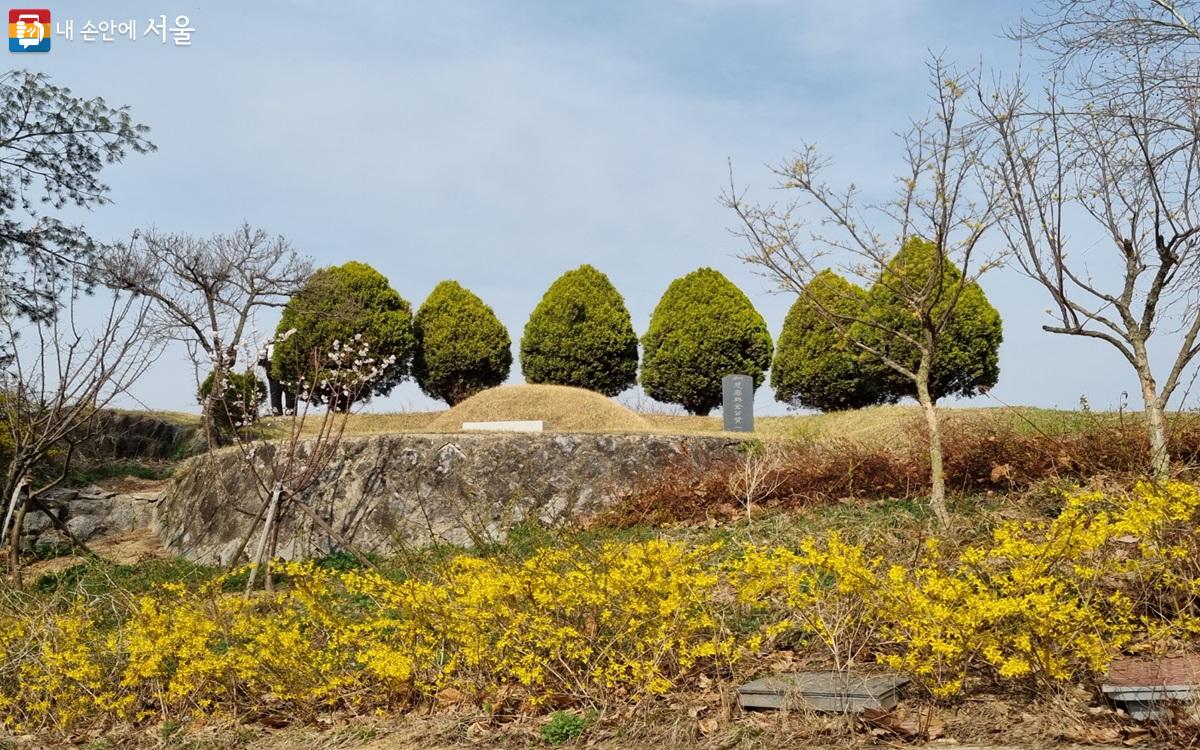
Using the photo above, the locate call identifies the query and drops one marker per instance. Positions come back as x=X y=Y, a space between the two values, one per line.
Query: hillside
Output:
x=874 y=424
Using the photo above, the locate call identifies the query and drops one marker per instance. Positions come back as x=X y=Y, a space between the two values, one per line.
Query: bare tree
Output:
x=61 y=371
x=1128 y=167
x=756 y=475
x=284 y=469
x=206 y=291
x=940 y=201
x=1100 y=38
x=1112 y=54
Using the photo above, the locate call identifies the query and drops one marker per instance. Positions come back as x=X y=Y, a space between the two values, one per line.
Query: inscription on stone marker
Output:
x=738 y=403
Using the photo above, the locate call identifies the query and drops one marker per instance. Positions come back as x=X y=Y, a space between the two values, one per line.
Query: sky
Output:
x=503 y=143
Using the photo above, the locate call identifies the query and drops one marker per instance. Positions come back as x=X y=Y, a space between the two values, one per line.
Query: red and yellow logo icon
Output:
x=29 y=30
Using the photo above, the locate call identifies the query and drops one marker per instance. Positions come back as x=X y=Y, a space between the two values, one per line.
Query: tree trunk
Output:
x=215 y=432
x=272 y=545
x=1156 y=425
x=937 y=471
x=14 y=548
x=14 y=482
x=209 y=420
x=268 y=522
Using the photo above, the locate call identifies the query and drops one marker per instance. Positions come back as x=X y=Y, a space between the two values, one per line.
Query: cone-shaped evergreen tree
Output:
x=703 y=329
x=461 y=346
x=967 y=358
x=581 y=335
x=817 y=365
x=337 y=304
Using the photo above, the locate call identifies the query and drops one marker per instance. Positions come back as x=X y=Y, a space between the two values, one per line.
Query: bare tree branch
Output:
x=205 y=292
x=56 y=383
x=942 y=200
x=1110 y=162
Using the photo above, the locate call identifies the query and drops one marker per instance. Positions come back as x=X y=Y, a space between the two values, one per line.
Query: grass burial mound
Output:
x=560 y=407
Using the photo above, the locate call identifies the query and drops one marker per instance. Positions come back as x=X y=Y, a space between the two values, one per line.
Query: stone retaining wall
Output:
x=389 y=492
x=90 y=513
x=125 y=435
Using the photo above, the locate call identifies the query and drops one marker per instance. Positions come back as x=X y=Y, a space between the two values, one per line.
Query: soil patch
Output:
x=126 y=548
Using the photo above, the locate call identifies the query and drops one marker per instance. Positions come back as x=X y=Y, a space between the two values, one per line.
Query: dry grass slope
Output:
x=561 y=408
x=599 y=414
x=573 y=409
x=878 y=423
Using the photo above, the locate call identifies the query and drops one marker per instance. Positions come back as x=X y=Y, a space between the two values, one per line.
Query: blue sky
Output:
x=502 y=143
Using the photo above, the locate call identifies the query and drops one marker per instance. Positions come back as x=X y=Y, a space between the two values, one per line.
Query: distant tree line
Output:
x=581 y=334
x=887 y=301
x=922 y=327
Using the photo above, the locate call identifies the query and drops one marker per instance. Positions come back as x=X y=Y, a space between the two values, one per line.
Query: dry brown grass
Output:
x=585 y=411
x=879 y=423
x=694 y=718
x=560 y=407
x=367 y=423
x=184 y=418
x=576 y=409
x=986 y=451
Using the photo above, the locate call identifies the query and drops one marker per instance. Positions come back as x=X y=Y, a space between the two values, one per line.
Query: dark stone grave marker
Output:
x=737 y=404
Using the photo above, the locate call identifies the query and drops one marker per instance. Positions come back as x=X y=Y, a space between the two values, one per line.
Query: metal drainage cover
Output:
x=832 y=692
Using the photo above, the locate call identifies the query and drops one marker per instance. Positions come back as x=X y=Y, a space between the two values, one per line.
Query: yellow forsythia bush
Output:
x=1042 y=600
x=615 y=620
x=621 y=618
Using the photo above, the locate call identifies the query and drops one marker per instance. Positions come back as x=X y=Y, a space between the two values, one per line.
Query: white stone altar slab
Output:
x=511 y=426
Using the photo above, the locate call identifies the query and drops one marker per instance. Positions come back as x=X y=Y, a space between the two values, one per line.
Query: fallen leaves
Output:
x=918 y=725
x=450 y=695
x=1108 y=733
